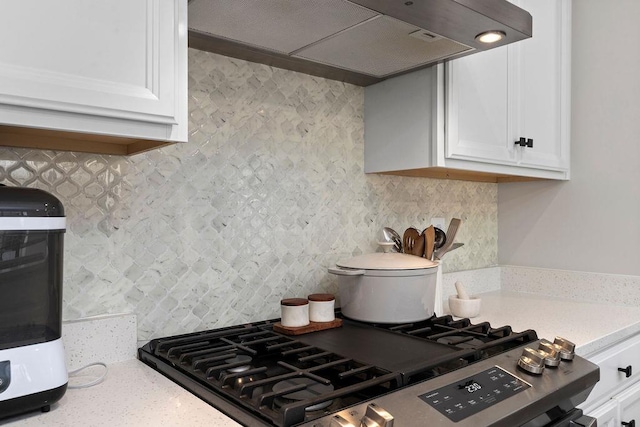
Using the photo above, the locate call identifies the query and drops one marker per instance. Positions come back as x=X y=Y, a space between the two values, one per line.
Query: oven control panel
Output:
x=473 y=394
x=495 y=392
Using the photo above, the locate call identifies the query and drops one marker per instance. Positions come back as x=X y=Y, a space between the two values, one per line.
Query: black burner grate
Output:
x=244 y=364
x=274 y=379
x=462 y=334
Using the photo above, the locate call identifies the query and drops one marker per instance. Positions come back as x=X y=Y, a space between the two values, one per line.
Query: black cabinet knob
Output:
x=627 y=371
x=631 y=423
x=524 y=142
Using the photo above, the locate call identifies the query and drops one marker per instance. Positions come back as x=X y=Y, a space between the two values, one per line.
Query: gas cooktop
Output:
x=261 y=377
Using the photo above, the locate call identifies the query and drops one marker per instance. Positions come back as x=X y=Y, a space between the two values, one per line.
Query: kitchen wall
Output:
x=591 y=223
x=267 y=194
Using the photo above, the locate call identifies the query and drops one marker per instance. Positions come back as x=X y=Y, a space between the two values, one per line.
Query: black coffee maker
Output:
x=33 y=373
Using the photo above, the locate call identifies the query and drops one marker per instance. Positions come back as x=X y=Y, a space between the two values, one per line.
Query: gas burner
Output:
x=248 y=379
x=313 y=389
x=328 y=372
x=461 y=341
x=241 y=358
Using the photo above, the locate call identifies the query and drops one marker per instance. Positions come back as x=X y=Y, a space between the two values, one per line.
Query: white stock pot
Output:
x=387 y=287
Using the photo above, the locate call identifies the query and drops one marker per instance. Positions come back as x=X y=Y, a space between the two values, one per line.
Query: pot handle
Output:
x=346 y=272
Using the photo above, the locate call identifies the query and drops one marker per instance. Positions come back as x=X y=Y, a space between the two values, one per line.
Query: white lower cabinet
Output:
x=621 y=410
x=615 y=400
x=607 y=414
x=629 y=406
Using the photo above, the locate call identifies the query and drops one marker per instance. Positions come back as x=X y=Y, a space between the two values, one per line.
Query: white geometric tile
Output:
x=267 y=194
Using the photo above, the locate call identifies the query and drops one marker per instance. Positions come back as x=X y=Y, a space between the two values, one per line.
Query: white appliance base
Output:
x=32 y=376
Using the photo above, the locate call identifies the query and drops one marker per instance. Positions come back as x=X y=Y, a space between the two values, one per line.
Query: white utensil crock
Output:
x=438 y=306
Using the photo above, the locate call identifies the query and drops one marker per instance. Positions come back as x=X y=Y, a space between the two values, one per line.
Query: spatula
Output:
x=429 y=241
x=451 y=234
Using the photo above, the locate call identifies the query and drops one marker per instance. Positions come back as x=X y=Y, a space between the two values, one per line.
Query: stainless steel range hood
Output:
x=358 y=41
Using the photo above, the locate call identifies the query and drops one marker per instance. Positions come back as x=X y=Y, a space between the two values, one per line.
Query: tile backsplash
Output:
x=268 y=192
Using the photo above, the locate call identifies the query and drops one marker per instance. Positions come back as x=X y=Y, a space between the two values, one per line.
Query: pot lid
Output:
x=387 y=261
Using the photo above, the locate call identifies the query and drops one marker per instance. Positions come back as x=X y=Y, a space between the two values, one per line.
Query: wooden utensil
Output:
x=429 y=241
x=413 y=242
x=407 y=239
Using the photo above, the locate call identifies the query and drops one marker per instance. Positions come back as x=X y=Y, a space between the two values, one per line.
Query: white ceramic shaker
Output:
x=294 y=312
x=321 y=307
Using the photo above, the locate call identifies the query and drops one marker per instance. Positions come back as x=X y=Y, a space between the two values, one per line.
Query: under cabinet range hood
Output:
x=358 y=41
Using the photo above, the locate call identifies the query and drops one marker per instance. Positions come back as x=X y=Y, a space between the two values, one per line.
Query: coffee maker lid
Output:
x=30 y=209
x=20 y=201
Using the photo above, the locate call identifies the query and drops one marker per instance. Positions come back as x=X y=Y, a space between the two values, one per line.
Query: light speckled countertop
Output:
x=132 y=395
x=135 y=395
x=590 y=326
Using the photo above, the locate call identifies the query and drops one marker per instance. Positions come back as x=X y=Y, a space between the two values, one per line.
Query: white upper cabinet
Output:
x=479 y=106
x=116 y=68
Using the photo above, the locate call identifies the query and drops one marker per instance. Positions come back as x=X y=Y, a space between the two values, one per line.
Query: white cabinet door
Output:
x=611 y=361
x=629 y=404
x=607 y=414
x=542 y=112
x=94 y=63
x=478 y=108
x=521 y=90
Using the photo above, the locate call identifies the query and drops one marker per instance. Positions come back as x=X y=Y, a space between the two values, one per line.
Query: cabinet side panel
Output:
x=397 y=123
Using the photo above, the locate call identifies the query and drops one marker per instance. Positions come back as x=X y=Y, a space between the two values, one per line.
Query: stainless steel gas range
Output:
x=438 y=372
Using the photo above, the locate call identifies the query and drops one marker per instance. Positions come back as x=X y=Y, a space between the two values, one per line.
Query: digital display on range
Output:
x=474 y=394
x=470 y=386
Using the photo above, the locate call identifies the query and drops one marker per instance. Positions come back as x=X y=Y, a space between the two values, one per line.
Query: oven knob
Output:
x=551 y=354
x=375 y=416
x=532 y=361
x=565 y=347
x=338 y=421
